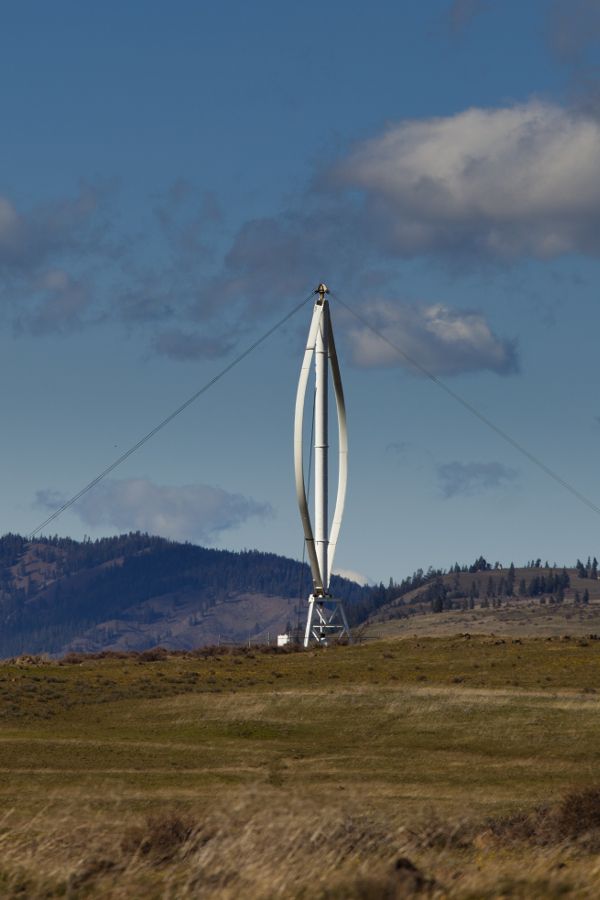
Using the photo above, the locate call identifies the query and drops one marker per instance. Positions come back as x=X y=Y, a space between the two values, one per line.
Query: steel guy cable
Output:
x=121 y=459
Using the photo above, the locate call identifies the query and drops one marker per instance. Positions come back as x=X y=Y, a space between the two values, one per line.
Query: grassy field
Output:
x=460 y=766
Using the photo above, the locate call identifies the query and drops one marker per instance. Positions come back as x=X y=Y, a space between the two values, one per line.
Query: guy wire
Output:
x=472 y=409
x=121 y=459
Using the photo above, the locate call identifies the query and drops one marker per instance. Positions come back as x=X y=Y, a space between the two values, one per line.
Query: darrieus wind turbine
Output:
x=326 y=617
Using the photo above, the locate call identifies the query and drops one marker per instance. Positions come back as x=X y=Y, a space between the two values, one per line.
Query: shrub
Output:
x=156 y=654
x=161 y=838
x=405 y=880
x=574 y=818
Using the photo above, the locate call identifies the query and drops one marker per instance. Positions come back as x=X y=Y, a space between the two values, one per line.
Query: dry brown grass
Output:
x=266 y=846
x=256 y=848
x=389 y=770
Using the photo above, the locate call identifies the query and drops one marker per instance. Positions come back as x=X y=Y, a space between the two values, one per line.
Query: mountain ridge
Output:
x=135 y=591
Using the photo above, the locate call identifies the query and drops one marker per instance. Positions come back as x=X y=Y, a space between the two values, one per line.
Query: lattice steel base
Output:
x=326 y=621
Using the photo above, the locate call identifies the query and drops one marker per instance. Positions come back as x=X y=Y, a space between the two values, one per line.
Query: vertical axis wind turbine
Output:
x=326 y=617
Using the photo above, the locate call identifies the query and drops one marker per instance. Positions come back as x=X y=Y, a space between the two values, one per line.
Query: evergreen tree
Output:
x=510 y=581
x=480 y=565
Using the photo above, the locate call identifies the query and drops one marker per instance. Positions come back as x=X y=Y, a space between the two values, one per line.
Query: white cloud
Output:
x=442 y=340
x=473 y=477
x=196 y=512
x=503 y=182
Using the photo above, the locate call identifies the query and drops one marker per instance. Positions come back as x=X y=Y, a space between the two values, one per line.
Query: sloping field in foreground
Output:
x=452 y=767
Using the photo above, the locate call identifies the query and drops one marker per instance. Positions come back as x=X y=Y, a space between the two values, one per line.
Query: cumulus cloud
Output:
x=473 y=478
x=29 y=238
x=196 y=512
x=484 y=184
x=47 y=255
x=175 y=285
x=493 y=182
x=481 y=185
x=442 y=340
x=275 y=259
x=66 y=263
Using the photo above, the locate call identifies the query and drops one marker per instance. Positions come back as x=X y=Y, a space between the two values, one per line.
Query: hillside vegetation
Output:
x=135 y=591
x=538 y=599
x=454 y=767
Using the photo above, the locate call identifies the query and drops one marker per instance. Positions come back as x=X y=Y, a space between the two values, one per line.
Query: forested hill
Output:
x=135 y=591
x=539 y=599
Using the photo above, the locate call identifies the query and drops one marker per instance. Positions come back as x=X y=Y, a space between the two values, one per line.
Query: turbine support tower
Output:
x=326 y=619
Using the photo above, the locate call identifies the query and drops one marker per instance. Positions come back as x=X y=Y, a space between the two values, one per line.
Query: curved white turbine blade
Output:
x=342 y=450
x=318 y=578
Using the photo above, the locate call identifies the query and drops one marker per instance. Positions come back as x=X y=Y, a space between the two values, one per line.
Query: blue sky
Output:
x=175 y=177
